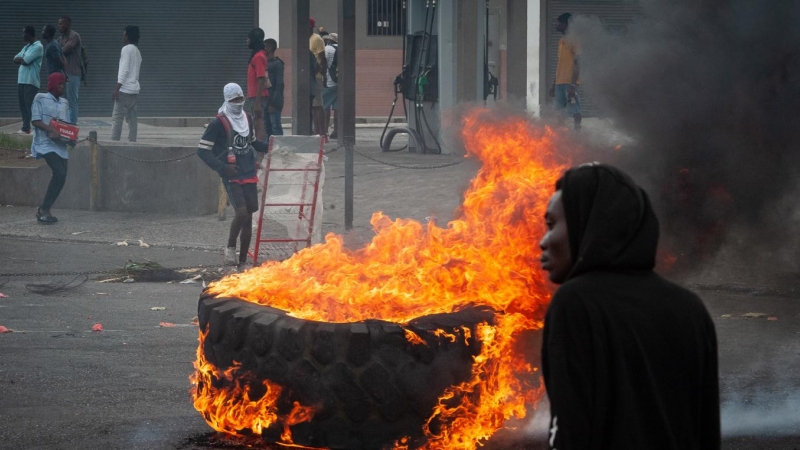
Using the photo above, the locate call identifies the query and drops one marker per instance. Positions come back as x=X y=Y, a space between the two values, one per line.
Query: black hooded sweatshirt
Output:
x=629 y=358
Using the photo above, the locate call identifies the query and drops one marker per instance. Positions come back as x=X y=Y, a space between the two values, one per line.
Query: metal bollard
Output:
x=94 y=189
x=223 y=201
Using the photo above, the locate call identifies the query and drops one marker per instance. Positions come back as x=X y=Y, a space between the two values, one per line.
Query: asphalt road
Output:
x=63 y=386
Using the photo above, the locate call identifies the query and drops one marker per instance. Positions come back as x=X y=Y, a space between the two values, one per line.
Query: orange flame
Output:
x=299 y=414
x=414 y=337
x=234 y=407
x=488 y=255
x=449 y=336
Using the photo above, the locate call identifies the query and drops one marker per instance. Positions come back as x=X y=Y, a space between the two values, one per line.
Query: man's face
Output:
x=125 y=37
x=63 y=26
x=61 y=88
x=248 y=42
x=561 y=27
x=556 y=257
x=44 y=35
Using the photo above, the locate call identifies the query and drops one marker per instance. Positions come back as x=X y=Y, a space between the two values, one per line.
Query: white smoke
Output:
x=762 y=414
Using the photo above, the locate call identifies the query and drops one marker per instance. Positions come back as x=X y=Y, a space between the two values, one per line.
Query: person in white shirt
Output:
x=126 y=93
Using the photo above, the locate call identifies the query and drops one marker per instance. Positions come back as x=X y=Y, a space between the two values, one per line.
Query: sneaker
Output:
x=230 y=256
x=22 y=132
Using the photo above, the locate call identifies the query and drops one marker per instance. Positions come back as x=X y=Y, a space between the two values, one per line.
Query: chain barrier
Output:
x=399 y=166
x=27 y=150
x=101 y=272
x=402 y=166
x=131 y=158
x=328 y=152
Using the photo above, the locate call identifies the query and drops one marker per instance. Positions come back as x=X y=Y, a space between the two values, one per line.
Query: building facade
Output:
x=190 y=49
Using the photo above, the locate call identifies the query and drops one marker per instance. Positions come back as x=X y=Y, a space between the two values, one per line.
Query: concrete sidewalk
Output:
x=397 y=183
x=176 y=132
x=62 y=384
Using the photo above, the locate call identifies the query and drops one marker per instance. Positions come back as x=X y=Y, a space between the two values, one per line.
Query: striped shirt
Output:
x=44 y=108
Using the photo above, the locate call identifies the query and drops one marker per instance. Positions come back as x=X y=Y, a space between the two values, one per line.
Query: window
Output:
x=386 y=17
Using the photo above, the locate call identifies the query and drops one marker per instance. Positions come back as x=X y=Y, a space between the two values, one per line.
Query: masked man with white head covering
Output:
x=227 y=147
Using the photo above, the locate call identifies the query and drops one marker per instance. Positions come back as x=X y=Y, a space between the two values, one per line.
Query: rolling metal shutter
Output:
x=190 y=50
x=615 y=15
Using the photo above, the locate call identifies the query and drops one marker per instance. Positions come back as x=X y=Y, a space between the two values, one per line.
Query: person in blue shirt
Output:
x=30 y=61
x=46 y=140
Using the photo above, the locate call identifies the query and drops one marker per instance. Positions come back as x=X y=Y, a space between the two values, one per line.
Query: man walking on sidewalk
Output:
x=227 y=147
x=47 y=143
x=30 y=61
x=72 y=47
x=126 y=94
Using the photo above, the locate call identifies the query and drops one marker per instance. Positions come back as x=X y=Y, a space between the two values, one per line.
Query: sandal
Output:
x=45 y=218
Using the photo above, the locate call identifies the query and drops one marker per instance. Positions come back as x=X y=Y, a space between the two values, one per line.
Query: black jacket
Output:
x=213 y=149
x=629 y=359
x=275 y=69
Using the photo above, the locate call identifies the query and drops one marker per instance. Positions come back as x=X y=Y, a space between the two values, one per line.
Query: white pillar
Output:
x=534 y=26
x=269 y=18
x=480 y=35
x=448 y=70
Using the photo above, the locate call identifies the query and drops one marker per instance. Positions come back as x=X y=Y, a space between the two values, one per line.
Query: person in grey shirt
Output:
x=71 y=46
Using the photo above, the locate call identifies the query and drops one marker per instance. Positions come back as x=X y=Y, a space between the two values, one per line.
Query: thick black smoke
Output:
x=710 y=92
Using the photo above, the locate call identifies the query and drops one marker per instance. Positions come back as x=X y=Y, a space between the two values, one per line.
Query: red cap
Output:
x=311 y=22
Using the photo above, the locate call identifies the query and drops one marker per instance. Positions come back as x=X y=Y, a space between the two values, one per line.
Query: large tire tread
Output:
x=370 y=384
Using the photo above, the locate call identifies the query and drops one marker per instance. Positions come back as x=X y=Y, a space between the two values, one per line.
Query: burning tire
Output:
x=368 y=384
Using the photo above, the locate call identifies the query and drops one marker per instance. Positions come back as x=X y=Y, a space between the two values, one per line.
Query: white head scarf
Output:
x=238 y=121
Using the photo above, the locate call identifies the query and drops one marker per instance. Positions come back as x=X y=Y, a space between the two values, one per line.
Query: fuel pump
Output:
x=418 y=82
x=417 y=85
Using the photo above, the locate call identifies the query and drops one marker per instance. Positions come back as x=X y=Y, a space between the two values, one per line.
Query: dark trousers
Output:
x=59 y=167
x=273 y=122
x=26 y=94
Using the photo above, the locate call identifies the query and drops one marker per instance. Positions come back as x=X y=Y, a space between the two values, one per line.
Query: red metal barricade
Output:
x=306 y=177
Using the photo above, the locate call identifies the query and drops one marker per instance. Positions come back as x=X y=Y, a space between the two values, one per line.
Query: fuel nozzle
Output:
x=398 y=84
x=422 y=82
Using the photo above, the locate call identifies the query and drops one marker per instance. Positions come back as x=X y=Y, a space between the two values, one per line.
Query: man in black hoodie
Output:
x=629 y=358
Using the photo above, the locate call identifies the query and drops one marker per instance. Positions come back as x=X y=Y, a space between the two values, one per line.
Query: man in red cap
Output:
x=46 y=140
